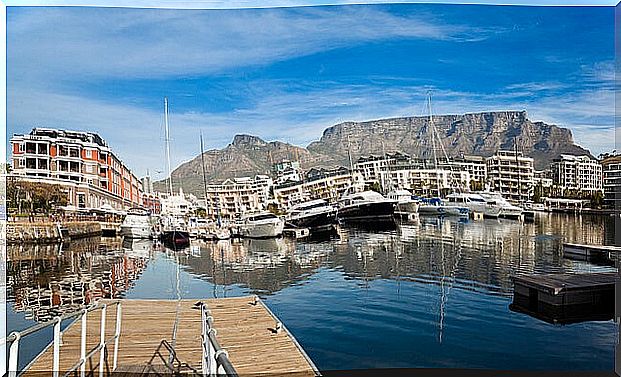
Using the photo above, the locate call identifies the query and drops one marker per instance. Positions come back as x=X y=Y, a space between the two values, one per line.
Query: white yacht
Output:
x=137 y=224
x=436 y=207
x=405 y=201
x=365 y=206
x=507 y=209
x=315 y=214
x=475 y=202
x=261 y=225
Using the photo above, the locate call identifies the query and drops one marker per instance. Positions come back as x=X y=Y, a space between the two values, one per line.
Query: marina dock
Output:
x=589 y=252
x=254 y=339
x=566 y=298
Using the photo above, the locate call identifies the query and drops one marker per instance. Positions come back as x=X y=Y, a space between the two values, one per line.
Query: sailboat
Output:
x=174 y=233
x=435 y=206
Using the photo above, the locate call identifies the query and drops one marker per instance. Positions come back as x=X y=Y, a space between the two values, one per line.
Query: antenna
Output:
x=203 y=168
x=433 y=141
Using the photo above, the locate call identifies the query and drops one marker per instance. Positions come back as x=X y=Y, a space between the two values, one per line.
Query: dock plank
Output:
x=244 y=329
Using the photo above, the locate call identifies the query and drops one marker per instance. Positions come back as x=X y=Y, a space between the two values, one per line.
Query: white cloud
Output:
x=72 y=44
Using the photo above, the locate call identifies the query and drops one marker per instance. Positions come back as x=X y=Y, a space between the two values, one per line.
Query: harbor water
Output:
x=430 y=293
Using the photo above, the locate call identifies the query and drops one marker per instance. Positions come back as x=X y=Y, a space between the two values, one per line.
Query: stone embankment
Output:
x=49 y=232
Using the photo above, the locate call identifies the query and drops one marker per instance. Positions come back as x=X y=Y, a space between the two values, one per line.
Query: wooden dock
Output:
x=245 y=329
x=589 y=252
x=566 y=298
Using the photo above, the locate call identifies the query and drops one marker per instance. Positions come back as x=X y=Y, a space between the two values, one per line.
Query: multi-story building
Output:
x=370 y=167
x=82 y=163
x=287 y=171
x=611 y=169
x=238 y=196
x=543 y=178
x=511 y=174
x=318 y=183
x=579 y=173
x=425 y=182
x=475 y=166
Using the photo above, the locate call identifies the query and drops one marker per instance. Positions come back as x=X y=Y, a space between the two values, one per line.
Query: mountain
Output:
x=479 y=134
x=471 y=134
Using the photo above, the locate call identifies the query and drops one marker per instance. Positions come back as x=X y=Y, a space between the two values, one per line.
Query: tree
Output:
x=34 y=197
x=597 y=199
x=376 y=187
x=200 y=212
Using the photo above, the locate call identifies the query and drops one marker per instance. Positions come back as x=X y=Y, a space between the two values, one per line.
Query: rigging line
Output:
x=176 y=324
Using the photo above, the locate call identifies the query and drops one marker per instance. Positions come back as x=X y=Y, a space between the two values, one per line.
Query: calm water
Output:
x=431 y=293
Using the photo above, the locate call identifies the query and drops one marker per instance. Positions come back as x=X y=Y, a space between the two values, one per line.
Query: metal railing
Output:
x=215 y=360
x=15 y=337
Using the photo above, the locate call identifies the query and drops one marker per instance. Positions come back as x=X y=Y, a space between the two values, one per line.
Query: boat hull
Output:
x=264 y=230
x=373 y=211
x=409 y=207
x=433 y=210
x=315 y=221
x=176 y=238
x=138 y=232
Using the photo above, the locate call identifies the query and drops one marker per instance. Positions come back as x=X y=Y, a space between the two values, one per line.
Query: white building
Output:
x=176 y=204
x=581 y=173
x=611 y=168
x=425 y=182
x=319 y=183
x=474 y=165
x=287 y=171
x=236 y=196
x=370 y=167
x=511 y=174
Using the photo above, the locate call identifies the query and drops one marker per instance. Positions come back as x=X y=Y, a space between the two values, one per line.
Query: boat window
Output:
x=262 y=217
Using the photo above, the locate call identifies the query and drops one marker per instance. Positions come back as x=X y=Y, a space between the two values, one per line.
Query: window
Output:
x=74 y=152
x=43 y=164
x=31 y=163
x=42 y=148
x=21 y=147
x=88 y=153
x=31 y=148
x=63 y=150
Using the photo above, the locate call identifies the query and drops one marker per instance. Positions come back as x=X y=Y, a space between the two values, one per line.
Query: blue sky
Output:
x=288 y=73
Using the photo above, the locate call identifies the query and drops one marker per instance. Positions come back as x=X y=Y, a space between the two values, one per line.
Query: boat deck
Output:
x=245 y=329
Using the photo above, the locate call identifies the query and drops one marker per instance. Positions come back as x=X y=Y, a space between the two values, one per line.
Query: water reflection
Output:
x=48 y=280
x=438 y=281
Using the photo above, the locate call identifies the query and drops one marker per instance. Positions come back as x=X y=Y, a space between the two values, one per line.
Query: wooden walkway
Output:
x=244 y=330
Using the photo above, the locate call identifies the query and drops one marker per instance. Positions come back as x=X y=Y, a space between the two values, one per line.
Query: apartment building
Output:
x=475 y=166
x=425 y=182
x=80 y=162
x=580 y=173
x=238 y=196
x=611 y=171
x=318 y=183
x=511 y=174
x=370 y=167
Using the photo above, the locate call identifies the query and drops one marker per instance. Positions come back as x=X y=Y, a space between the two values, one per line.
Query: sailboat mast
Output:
x=433 y=143
x=170 y=186
x=203 y=168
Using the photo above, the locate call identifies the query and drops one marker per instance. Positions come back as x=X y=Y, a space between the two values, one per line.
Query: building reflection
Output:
x=48 y=280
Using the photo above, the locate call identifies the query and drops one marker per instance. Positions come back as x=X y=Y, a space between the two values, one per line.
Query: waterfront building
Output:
x=511 y=174
x=287 y=171
x=238 y=196
x=474 y=165
x=577 y=173
x=611 y=172
x=543 y=178
x=151 y=202
x=318 y=183
x=425 y=182
x=370 y=167
x=82 y=163
x=176 y=204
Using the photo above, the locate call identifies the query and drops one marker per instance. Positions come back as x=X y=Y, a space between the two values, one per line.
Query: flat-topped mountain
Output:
x=471 y=134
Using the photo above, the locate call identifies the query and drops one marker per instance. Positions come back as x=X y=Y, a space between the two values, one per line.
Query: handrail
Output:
x=215 y=358
x=15 y=337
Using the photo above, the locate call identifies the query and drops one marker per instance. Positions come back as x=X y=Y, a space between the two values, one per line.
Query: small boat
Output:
x=261 y=225
x=315 y=214
x=174 y=232
x=507 y=209
x=406 y=202
x=137 y=224
x=437 y=207
x=475 y=203
x=365 y=206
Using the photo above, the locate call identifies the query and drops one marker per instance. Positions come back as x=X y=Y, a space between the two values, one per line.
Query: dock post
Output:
x=83 y=345
x=13 y=355
x=56 y=362
x=102 y=341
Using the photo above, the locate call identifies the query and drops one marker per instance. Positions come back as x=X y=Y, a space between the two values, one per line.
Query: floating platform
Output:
x=589 y=252
x=252 y=336
x=566 y=298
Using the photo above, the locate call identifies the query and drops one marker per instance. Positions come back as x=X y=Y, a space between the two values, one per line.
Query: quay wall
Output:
x=50 y=232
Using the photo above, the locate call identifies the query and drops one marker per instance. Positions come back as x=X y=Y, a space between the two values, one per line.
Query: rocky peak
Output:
x=247 y=140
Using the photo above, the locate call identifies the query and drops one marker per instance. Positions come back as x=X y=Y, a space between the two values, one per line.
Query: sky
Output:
x=288 y=73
